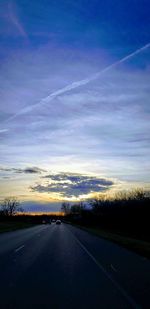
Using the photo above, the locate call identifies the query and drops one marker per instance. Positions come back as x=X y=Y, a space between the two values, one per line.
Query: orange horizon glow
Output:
x=40 y=213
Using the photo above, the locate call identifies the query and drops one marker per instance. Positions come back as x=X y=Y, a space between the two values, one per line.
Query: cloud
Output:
x=10 y=20
x=33 y=170
x=27 y=170
x=73 y=185
x=92 y=129
x=12 y=14
x=4 y=130
x=33 y=206
x=77 y=84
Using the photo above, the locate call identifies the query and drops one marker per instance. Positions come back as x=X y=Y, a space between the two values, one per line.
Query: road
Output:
x=61 y=266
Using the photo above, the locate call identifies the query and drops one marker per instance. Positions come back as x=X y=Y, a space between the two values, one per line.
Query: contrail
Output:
x=77 y=84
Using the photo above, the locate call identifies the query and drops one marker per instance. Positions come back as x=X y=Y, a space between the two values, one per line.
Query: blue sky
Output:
x=58 y=116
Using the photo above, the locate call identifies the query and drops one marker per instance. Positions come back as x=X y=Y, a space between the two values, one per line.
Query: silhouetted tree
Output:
x=97 y=203
x=65 y=207
x=77 y=208
x=10 y=206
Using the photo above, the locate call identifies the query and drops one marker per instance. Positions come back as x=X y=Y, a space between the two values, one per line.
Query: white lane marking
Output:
x=116 y=284
x=18 y=249
x=113 y=268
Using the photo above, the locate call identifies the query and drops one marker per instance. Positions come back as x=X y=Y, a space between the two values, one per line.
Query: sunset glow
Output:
x=75 y=113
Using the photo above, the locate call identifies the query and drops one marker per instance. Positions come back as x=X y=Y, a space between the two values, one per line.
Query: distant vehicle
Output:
x=46 y=221
x=58 y=221
x=53 y=220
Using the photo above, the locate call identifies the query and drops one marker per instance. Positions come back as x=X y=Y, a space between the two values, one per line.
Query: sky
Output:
x=74 y=99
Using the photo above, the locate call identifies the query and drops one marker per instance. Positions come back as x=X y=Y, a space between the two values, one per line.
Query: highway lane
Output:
x=52 y=266
x=14 y=239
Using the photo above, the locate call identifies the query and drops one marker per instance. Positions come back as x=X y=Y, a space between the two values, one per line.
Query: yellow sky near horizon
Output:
x=21 y=189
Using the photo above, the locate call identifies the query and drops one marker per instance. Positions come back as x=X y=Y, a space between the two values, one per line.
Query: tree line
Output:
x=127 y=212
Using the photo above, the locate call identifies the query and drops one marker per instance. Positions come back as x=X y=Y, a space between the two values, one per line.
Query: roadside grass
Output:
x=12 y=226
x=138 y=246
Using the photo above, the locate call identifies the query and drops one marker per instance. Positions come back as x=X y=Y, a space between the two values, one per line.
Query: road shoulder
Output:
x=138 y=246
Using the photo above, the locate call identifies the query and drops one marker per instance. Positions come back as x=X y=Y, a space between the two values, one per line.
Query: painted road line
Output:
x=128 y=298
x=113 y=268
x=18 y=249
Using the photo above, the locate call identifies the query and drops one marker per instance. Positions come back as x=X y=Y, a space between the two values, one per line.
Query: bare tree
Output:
x=77 y=208
x=98 y=202
x=10 y=206
x=65 y=207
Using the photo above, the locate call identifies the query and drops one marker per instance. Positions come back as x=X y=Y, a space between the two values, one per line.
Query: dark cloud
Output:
x=33 y=206
x=33 y=170
x=69 y=185
x=27 y=170
x=75 y=178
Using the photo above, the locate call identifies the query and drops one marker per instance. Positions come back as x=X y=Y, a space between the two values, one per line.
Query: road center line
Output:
x=18 y=249
x=116 y=284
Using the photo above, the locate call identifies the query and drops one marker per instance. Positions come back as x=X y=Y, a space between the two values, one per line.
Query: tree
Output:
x=98 y=202
x=65 y=207
x=139 y=195
x=77 y=208
x=10 y=206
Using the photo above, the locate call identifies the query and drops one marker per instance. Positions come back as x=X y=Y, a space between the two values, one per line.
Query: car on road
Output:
x=58 y=221
x=46 y=221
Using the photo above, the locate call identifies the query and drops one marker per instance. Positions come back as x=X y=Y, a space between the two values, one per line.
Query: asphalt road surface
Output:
x=61 y=266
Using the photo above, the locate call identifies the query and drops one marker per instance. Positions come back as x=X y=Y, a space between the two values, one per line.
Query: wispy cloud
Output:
x=77 y=84
x=27 y=170
x=4 y=130
x=13 y=25
x=12 y=14
x=100 y=127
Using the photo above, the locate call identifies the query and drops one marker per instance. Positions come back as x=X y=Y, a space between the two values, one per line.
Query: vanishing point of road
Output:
x=63 y=267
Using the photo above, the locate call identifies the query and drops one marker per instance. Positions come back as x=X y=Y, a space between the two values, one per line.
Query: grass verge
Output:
x=139 y=246
x=12 y=226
